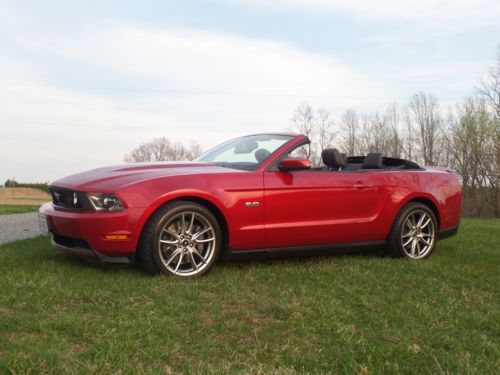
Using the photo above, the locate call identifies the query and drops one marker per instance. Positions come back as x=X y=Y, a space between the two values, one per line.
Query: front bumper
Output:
x=107 y=236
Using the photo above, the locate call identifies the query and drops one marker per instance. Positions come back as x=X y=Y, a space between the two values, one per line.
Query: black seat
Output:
x=261 y=154
x=373 y=161
x=344 y=157
x=333 y=159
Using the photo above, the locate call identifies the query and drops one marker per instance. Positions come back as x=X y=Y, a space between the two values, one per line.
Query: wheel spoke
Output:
x=421 y=220
x=173 y=234
x=418 y=248
x=407 y=242
x=425 y=224
x=195 y=252
x=191 y=259
x=200 y=233
x=204 y=240
x=190 y=224
x=183 y=223
x=424 y=241
x=179 y=262
x=413 y=246
x=172 y=257
x=170 y=242
x=406 y=235
x=413 y=220
x=408 y=224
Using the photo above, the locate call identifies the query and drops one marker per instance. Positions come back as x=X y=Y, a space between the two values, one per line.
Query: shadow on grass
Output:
x=84 y=263
x=232 y=264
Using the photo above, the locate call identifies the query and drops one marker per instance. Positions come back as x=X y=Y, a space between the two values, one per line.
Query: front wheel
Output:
x=181 y=239
x=413 y=234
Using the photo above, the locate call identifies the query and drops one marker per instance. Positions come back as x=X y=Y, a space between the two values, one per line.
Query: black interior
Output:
x=336 y=161
x=333 y=159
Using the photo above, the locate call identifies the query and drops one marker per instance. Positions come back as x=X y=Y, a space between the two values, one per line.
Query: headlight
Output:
x=105 y=202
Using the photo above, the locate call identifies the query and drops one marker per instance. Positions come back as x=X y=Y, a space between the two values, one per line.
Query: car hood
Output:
x=109 y=179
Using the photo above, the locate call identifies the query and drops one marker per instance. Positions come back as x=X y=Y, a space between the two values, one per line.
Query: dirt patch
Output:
x=18 y=196
x=6 y=313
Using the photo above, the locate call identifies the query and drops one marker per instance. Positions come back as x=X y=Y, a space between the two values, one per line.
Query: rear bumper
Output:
x=448 y=232
x=108 y=236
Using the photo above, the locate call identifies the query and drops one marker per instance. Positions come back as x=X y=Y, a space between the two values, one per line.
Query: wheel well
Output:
x=431 y=205
x=218 y=215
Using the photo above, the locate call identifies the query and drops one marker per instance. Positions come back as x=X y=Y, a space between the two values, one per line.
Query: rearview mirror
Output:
x=294 y=164
x=246 y=147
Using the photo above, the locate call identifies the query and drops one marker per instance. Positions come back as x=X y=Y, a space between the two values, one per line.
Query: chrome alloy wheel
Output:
x=187 y=243
x=418 y=234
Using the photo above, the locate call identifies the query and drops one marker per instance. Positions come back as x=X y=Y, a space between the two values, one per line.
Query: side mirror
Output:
x=294 y=164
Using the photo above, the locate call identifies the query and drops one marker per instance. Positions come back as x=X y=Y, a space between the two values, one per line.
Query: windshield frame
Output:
x=211 y=154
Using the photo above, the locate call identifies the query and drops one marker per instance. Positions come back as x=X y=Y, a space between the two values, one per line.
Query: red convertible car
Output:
x=253 y=195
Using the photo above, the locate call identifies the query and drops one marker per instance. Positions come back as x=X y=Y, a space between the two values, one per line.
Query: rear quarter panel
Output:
x=440 y=187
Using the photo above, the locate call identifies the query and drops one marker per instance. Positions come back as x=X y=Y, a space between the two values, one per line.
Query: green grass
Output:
x=6 y=209
x=336 y=314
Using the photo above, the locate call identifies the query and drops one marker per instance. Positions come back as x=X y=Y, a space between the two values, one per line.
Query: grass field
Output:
x=19 y=200
x=339 y=314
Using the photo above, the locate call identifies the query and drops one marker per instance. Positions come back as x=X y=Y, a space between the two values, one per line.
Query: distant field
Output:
x=23 y=196
x=6 y=209
x=346 y=314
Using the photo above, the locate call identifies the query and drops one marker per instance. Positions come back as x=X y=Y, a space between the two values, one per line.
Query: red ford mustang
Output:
x=251 y=196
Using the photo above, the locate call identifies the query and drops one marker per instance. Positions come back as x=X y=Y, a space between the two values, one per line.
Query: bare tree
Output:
x=489 y=87
x=471 y=146
x=161 y=149
x=194 y=150
x=319 y=129
x=349 y=126
x=303 y=123
x=426 y=114
x=489 y=91
x=392 y=119
x=408 y=136
x=323 y=132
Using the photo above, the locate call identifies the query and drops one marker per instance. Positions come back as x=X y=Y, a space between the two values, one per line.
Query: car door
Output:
x=317 y=207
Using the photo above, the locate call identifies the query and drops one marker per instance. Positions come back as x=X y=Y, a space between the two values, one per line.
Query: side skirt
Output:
x=301 y=251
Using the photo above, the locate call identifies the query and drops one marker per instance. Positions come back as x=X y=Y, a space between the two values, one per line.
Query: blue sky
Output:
x=82 y=83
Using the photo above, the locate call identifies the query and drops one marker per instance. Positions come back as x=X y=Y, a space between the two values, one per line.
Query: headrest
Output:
x=344 y=157
x=332 y=158
x=261 y=154
x=373 y=161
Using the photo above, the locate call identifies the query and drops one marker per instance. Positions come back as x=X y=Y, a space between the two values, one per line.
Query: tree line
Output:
x=12 y=183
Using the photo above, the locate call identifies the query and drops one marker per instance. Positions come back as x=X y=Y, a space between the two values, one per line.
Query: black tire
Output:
x=414 y=232
x=182 y=239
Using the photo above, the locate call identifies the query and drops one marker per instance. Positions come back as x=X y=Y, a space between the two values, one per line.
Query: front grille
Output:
x=67 y=198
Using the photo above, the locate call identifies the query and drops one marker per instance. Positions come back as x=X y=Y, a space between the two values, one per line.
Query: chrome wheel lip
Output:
x=193 y=243
x=418 y=234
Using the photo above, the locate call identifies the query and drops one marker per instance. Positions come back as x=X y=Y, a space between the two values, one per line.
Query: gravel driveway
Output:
x=18 y=226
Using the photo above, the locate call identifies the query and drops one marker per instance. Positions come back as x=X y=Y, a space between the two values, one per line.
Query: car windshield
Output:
x=245 y=153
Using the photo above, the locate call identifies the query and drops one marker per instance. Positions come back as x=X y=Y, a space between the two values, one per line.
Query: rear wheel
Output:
x=413 y=234
x=181 y=239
